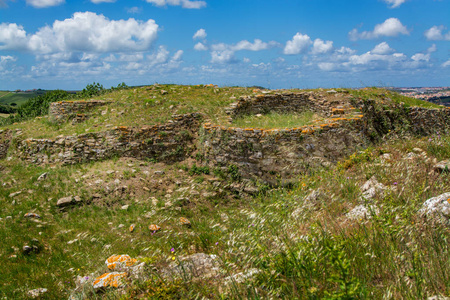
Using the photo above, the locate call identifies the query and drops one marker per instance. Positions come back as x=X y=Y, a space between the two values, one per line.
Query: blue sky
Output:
x=67 y=44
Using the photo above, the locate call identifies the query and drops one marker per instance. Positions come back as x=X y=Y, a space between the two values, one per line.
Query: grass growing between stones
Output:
x=275 y=120
x=303 y=247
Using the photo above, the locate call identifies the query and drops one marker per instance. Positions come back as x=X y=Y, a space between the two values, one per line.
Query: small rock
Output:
x=32 y=215
x=164 y=92
x=120 y=262
x=15 y=194
x=154 y=227
x=132 y=227
x=43 y=176
x=185 y=222
x=198 y=265
x=121 y=226
x=362 y=212
x=372 y=188
x=442 y=166
x=114 y=279
x=125 y=207
x=36 y=292
x=159 y=172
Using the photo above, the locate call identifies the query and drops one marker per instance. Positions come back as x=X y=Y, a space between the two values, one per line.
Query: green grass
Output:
x=303 y=251
x=386 y=96
x=275 y=120
x=18 y=98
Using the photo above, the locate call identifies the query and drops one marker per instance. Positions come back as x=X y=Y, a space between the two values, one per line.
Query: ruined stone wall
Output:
x=167 y=142
x=289 y=102
x=63 y=110
x=272 y=155
x=5 y=141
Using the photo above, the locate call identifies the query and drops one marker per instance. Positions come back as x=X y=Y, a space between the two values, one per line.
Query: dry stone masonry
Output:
x=344 y=125
x=167 y=142
x=61 y=111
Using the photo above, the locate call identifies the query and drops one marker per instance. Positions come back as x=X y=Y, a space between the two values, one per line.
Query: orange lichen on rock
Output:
x=115 y=262
x=154 y=227
x=114 y=279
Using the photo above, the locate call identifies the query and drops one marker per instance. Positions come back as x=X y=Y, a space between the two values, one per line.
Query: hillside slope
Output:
x=343 y=229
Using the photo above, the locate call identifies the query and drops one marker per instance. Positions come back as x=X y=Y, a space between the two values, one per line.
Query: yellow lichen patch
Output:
x=120 y=262
x=132 y=226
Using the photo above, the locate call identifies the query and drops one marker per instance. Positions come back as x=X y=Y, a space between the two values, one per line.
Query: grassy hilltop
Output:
x=288 y=242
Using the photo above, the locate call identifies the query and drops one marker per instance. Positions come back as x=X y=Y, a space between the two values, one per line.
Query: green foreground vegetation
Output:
x=303 y=247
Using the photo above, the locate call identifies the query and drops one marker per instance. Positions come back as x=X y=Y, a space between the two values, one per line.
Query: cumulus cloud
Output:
x=382 y=48
x=12 y=37
x=435 y=33
x=134 y=10
x=200 y=34
x=84 y=32
x=392 y=27
x=321 y=47
x=44 y=3
x=299 y=44
x=446 y=64
x=394 y=3
x=183 y=3
x=224 y=53
x=200 y=47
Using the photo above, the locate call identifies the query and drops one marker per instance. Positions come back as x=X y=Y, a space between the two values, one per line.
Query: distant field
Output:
x=18 y=98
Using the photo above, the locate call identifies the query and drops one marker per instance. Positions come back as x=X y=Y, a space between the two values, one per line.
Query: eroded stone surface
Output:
x=198 y=265
x=362 y=212
x=437 y=209
x=120 y=262
x=114 y=279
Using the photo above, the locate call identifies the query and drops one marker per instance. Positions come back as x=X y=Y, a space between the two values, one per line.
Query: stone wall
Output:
x=291 y=102
x=63 y=110
x=168 y=142
x=5 y=140
x=273 y=155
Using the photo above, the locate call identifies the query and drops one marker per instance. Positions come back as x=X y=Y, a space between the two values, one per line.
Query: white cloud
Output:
x=382 y=48
x=421 y=57
x=12 y=37
x=224 y=53
x=200 y=34
x=134 y=10
x=298 y=44
x=44 y=3
x=392 y=27
x=435 y=34
x=395 y=3
x=200 y=47
x=446 y=64
x=89 y=32
x=177 y=56
x=183 y=3
x=321 y=47
x=224 y=56
x=432 y=48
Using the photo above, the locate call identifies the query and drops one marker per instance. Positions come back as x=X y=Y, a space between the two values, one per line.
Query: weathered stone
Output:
x=241 y=277
x=185 y=222
x=362 y=212
x=442 y=166
x=15 y=194
x=437 y=209
x=132 y=227
x=120 y=262
x=66 y=201
x=32 y=215
x=154 y=227
x=36 y=292
x=372 y=188
x=114 y=279
x=198 y=265
x=42 y=176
